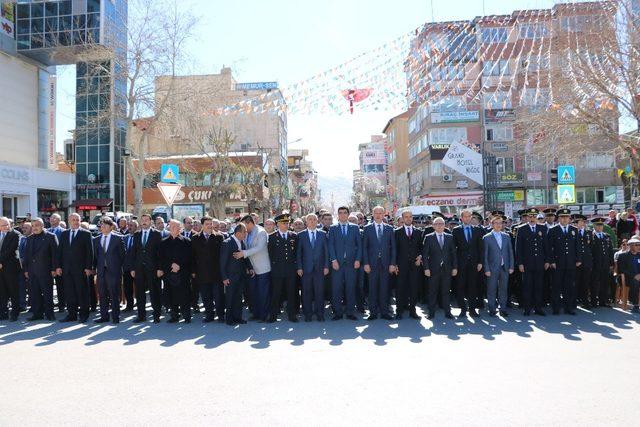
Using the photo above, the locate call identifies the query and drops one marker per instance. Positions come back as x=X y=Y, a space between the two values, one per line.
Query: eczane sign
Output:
x=465 y=161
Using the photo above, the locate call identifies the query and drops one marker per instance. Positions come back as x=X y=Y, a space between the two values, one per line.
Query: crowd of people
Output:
x=317 y=268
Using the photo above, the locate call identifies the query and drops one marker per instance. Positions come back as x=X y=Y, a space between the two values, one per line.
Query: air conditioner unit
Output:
x=447 y=178
x=69 y=152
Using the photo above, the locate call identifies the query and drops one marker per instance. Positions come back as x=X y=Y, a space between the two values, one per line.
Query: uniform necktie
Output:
x=533 y=229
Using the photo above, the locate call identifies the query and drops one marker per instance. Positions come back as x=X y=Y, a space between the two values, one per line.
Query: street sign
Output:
x=566 y=194
x=169 y=191
x=566 y=175
x=169 y=173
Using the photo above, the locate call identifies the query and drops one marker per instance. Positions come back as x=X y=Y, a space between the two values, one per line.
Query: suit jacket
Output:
x=345 y=248
x=258 y=252
x=41 y=254
x=76 y=256
x=563 y=248
x=283 y=254
x=468 y=253
x=383 y=249
x=232 y=269
x=408 y=249
x=602 y=251
x=312 y=259
x=496 y=257
x=437 y=259
x=9 y=257
x=128 y=265
x=113 y=258
x=176 y=251
x=205 y=258
x=531 y=247
x=146 y=257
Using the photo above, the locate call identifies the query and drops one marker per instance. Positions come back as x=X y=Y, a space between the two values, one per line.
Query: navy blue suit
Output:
x=531 y=253
x=40 y=260
x=74 y=257
x=564 y=253
x=345 y=247
x=109 y=274
x=234 y=270
x=127 y=267
x=312 y=259
x=379 y=254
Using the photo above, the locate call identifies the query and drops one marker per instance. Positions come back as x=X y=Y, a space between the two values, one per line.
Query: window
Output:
x=535 y=30
x=499 y=133
x=436 y=167
x=447 y=135
x=496 y=68
x=413 y=150
x=448 y=103
x=532 y=162
x=447 y=72
x=494 y=35
x=504 y=165
x=373 y=168
x=535 y=97
x=497 y=100
x=581 y=23
x=535 y=63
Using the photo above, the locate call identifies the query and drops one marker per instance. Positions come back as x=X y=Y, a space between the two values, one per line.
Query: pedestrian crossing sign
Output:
x=169 y=173
x=566 y=175
x=566 y=194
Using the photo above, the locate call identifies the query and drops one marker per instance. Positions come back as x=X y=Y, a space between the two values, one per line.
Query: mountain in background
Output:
x=341 y=188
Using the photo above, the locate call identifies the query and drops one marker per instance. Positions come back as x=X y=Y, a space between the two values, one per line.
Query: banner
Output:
x=465 y=161
x=51 y=123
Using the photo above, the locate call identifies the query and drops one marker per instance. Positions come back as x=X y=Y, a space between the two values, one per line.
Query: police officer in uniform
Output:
x=564 y=257
x=602 y=252
x=282 y=246
x=531 y=258
x=583 y=273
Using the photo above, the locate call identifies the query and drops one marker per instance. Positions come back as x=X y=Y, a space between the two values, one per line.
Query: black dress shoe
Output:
x=115 y=321
x=187 y=320
x=556 y=312
x=504 y=313
x=414 y=315
x=230 y=323
x=127 y=309
x=253 y=318
x=336 y=317
x=5 y=317
x=540 y=312
x=474 y=313
x=462 y=315
x=321 y=319
x=571 y=312
x=386 y=317
x=173 y=320
x=372 y=317
x=430 y=316
x=398 y=316
x=156 y=319
x=221 y=320
x=13 y=318
x=293 y=319
x=448 y=315
x=139 y=320
x=50 y=317
x=351 y=317
x=272 y=319
x=34 y=318
x=101 y=320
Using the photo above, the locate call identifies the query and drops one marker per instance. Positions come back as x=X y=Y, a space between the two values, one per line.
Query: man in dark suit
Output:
x=40 y=269
x=602 y=252
x=75 y=258
x=312 y=256
x=564 y=257
x=282 y=246
x=108 y=260
x=584 y=272
x=409 y=257
x=145 y=255
x=235 y=274
x=468 y=242
x=9 y=270
x=440 y=263
x=206 y=247
x=345 y=252
x=532 y=262
x=188 y=232
x=128 y=266
x=379 y=258
x=56 y=228
x=175 y=263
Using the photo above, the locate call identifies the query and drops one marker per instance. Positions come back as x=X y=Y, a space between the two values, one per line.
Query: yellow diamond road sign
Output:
x=566 y=193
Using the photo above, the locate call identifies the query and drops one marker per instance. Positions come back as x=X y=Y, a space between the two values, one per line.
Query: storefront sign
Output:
x=462 y=183
x=465 y=161
x=203 y=196
x=455 y=117
x=14 y=174
x=510 y=196
x=501 y=115
x=437 y=151
x=462 y=199
x=499 y=146
x=510 y=178
x=257 y=86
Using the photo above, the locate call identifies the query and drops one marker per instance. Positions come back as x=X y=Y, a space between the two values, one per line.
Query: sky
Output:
x=291 y=40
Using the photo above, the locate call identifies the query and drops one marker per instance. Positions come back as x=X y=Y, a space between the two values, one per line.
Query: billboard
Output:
x=7 y=20
x=455 y=117
x=465 y=161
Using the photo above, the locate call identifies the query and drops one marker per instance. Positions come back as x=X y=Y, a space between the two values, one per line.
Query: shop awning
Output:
x=92 y=204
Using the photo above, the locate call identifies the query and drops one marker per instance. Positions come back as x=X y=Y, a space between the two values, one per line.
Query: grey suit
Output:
x=498 y=260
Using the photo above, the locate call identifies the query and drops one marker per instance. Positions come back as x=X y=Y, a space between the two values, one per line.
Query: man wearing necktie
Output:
x=379 y=258
x=146 y=268
x=532 y=260
x=440 y=264
x=283 y=245
x=345 y=252
x=468 y=242
x=312 y=259
x=128 y=266
x=602 y=252
x=409 y=271
x=56 y=229
x=109 y=251
x=498 y=265
x=175 y=263
x=9 y=270
x=564 y=256
x=188 y=232
x=41 y=259
x=75 y=258
x=235 y=274
x=205 y=275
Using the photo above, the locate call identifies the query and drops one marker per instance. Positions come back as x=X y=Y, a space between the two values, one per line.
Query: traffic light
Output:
x=554 y=175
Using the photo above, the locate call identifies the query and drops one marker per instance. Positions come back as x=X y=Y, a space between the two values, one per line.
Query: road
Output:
x=562 y=370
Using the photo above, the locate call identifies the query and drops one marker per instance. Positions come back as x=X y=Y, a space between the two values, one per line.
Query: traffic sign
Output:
x=566 y=194
x=169 y=191
x=169 y=173
x=566 y=175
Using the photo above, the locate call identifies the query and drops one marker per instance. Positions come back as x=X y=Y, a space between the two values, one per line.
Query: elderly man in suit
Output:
x=257 y=252
x=313 y=264
x=109 y=252
x=145 y=256
x=175 y=263
x=75 y=261
x=440 y=264
x=9 y=270
x=41 y=262
x=409 y=258
x=128 y=266
x=498 y=264
x=379 y=258
x=345 y=252
x=235 y=273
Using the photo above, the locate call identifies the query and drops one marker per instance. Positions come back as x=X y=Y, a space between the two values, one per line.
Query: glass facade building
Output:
x=63 y=32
